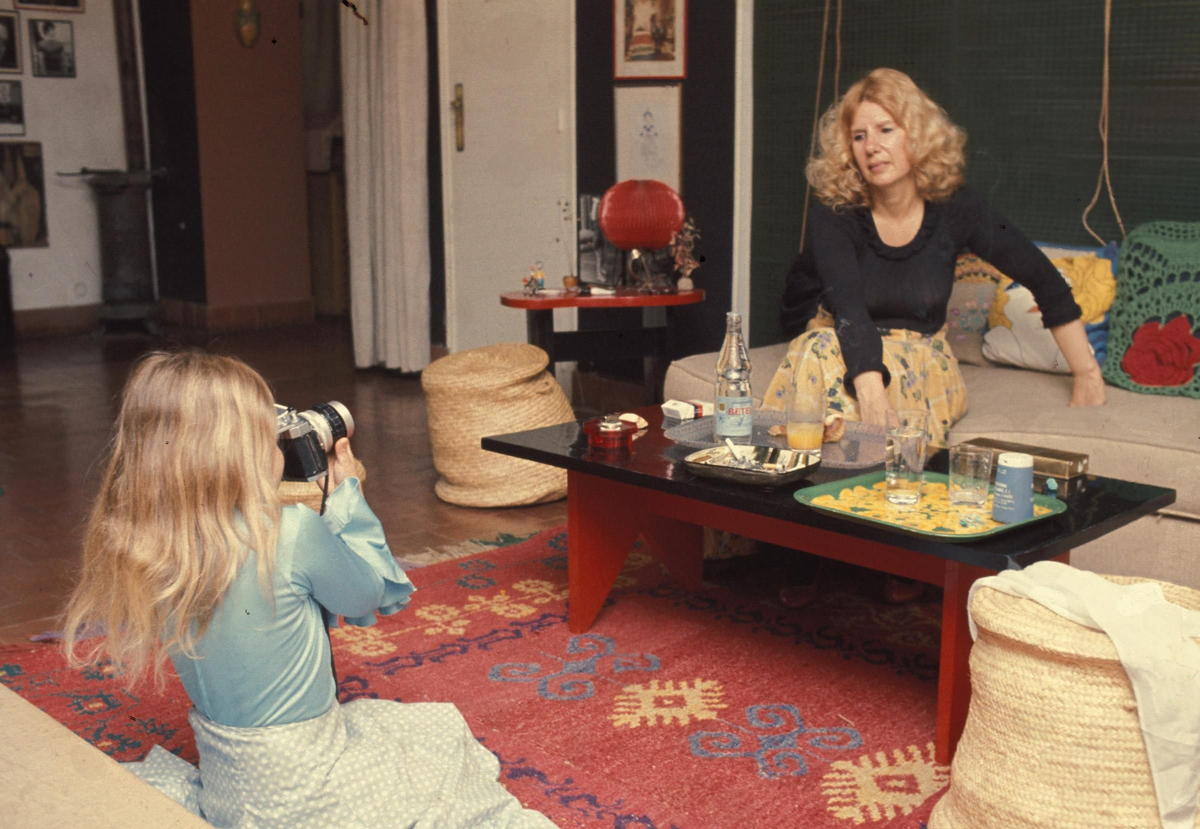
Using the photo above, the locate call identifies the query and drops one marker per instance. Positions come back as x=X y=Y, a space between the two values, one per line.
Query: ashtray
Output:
x=610 y=433
x=766 y=466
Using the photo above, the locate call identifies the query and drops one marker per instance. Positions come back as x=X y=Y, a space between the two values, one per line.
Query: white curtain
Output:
x=387 y=200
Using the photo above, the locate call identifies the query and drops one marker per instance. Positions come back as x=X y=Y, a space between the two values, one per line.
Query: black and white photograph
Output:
x=22 y=195
x=12 y=108
x=74 y=6
x=52 y=48
x=10 y=42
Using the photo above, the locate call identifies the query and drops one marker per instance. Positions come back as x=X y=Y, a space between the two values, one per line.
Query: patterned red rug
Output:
x=678 y=709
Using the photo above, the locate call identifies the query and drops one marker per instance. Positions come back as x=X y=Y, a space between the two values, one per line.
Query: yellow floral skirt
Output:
x=924 y=376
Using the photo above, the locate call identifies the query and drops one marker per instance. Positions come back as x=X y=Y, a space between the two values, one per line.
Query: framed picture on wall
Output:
x=10 y=42
x=73 y=6
x=52 y=48
x=12 y=108
x=648 y=132
x=649 y=39
x=22 y=195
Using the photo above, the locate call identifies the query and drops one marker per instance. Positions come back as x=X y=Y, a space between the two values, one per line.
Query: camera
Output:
x=306 y=438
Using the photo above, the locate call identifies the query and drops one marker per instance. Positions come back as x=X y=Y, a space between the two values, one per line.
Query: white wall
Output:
x=78 y=122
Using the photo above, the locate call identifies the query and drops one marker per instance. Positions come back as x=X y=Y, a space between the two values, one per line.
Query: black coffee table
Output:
x=613 y=499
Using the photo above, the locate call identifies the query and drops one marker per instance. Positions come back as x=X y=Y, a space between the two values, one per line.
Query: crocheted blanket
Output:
x=1154 y=323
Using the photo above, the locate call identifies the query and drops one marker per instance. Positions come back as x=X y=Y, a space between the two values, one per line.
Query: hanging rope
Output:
x=1105 y=176
x=812 y=146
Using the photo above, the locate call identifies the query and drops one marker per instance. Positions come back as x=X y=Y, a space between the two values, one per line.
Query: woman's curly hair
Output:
x=935 y=143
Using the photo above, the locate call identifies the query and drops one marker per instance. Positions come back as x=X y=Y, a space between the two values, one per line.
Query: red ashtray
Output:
x=610 y=433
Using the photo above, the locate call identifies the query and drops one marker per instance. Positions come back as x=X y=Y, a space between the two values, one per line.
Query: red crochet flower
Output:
x=1163 y=355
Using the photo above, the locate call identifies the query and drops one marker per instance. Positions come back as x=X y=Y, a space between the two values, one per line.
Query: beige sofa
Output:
x=1136 y=437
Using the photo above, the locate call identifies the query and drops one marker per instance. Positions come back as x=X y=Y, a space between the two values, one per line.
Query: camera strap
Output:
x=324 y=492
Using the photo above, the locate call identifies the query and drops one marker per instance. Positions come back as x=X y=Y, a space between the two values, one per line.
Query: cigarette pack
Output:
x=687 y=409
x=1047 y=463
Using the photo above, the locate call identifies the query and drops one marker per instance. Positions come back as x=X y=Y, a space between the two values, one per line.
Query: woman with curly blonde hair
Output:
x=865 y=301
x=188 y=555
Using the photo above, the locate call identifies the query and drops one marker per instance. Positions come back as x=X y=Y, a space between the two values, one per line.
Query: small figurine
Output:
x=683 y=243
x=536 y=280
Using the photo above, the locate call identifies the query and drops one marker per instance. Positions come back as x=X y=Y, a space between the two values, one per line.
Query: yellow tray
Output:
x=861 y=498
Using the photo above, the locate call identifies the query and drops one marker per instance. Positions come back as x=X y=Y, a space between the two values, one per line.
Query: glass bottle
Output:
x=735 y=403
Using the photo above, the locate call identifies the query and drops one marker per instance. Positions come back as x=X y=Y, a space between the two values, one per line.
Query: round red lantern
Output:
x=640 y=213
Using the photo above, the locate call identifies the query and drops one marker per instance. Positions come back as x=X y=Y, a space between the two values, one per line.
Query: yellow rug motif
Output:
x=661 y=703
x=876 y=787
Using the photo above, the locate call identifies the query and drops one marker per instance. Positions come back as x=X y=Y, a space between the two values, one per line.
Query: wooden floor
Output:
x=58 y=397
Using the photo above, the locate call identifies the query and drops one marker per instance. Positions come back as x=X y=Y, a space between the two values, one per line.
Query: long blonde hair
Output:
x=187 y=492
x=935 y=143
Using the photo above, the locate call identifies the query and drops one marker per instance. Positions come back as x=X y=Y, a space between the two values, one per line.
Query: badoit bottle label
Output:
x=735 y=416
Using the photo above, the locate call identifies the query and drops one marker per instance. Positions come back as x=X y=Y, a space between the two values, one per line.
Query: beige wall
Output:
x=250 y=121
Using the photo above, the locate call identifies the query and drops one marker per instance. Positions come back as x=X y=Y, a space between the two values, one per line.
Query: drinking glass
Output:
x=805 y=414
x=904 y=461
x=970 y=472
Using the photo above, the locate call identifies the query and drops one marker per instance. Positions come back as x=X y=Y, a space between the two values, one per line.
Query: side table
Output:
x=567 y=346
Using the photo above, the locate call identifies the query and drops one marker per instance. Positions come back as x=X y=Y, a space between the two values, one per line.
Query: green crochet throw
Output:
x=1154 y=323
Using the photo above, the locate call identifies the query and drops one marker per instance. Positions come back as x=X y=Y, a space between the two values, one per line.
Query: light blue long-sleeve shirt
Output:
x=260 y=665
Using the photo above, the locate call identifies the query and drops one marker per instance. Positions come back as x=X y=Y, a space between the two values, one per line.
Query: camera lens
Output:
x=331 y=421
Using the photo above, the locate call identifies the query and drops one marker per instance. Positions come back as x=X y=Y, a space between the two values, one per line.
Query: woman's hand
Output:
x=1088 y=389
x=341 y=463
x=873 y=403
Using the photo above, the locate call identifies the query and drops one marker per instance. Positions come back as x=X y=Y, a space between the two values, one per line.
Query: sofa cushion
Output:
x=1135 y=437
x=971 y=298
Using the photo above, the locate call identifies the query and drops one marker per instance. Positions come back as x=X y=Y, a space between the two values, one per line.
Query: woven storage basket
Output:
x=309 y=493
x=1052 y=735
x=487 y=391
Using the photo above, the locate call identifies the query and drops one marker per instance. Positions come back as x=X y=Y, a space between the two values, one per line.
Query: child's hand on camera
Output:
x=341 y=463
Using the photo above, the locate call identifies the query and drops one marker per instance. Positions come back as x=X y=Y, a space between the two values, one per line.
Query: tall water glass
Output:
x=904 y=461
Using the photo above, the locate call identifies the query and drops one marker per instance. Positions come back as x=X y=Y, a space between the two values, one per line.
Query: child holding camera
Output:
x=188 y=555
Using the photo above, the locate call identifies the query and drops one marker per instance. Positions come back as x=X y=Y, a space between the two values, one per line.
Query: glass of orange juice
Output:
x=806 y=414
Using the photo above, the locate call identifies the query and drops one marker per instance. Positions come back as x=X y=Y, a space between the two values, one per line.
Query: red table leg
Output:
x=954 y=672
x=604 y=519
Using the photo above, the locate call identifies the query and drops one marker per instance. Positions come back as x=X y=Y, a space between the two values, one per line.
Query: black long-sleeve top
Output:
x=867 y=284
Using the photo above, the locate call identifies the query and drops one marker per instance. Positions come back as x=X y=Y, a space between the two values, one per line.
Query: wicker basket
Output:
x=486 y=391
x=1052 y=735
x=309 y=493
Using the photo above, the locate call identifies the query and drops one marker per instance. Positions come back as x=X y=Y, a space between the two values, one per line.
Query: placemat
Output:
x=861 y=498
x=862 y=445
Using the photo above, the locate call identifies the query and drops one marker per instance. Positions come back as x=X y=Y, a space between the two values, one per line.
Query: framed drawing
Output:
x=22 y=195
x=649 y=39
x=73 y=6
x=12 y=108
x=10 y=42
x=648 y=133
x=52 y=48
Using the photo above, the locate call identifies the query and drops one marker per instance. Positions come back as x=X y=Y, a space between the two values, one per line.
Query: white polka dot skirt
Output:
x=369 y=763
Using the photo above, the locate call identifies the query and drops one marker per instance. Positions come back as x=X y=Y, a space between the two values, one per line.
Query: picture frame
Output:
x=52 y=48
x=24 y=195
x=10 y=43
x=648 y=132
x=12 y=108
x=69 y=6
x=649 y=39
